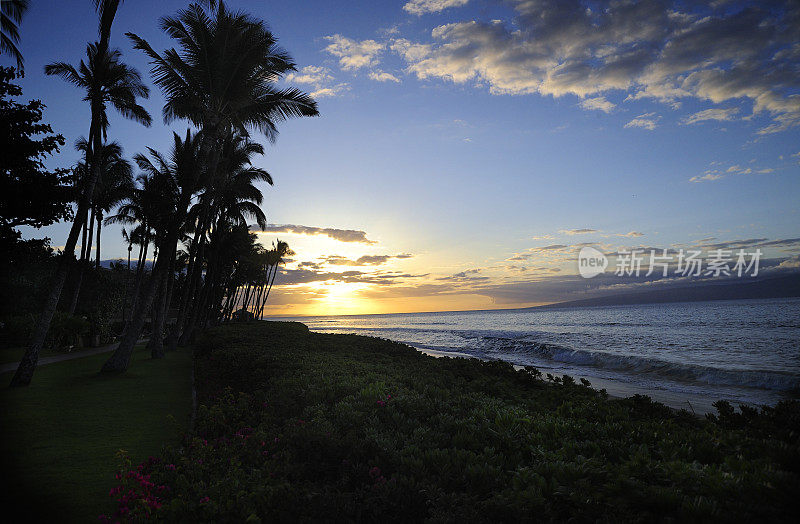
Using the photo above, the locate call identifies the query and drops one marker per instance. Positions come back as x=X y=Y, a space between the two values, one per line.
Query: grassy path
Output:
x=61 y=434
x=9 y=358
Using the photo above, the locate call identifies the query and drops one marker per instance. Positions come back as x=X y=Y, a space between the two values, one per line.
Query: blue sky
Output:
x=467 y=132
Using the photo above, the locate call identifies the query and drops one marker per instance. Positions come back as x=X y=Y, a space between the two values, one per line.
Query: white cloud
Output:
x=382 y=76
x=721 y=171
x=666 y=51
x=354 y=54
x=310 y=75
x=420 y=7
x=717 y=114
x=320 y=79
x=581 y=231
x=598 y=103
x=330 y=92
x=647 y=121
x=705 y=178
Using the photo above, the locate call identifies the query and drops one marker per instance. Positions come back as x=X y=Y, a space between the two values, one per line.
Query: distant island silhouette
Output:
x=777 y=287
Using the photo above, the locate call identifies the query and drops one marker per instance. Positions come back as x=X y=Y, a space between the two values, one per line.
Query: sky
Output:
x=467 y=149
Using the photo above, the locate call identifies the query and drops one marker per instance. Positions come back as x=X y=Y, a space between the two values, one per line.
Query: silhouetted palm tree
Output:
x=222 y=79
x=115 y=183
x=232 y=198
x=107 y=81
x=11 y=13
x=182 y=174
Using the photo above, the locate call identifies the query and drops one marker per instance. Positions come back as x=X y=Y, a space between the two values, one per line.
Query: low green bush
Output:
x=15 y=330
x=66 y=331
x=301 y=426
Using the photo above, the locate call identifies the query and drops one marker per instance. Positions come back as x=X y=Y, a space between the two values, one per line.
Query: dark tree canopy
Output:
x=32 y=195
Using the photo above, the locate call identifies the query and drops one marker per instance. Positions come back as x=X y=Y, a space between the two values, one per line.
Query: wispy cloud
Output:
x=715 y=114
x=583 y=231
x=321 y=79
x=366 y=260
x=598 y=103
x=421 y=7
x=647 y=121
x=382 y=76
x=342 y=235
x=718 y=171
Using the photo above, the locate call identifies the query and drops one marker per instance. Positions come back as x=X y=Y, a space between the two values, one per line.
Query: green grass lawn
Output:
x=60 y=435
x=9 y=355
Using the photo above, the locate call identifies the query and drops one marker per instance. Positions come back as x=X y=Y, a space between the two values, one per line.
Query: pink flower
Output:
x=170 y=467
x=204 y=500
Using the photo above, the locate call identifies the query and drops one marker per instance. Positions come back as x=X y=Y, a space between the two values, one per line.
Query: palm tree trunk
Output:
x=156 y=343
x=127 y=286
x=140 y=271
x=174 y=335
x=99 y=227
x=212 y=133
x=120 y=359
x=27 y=365
x=274 y=274
x=85 y=258
x=170 y=286
x=83 y=240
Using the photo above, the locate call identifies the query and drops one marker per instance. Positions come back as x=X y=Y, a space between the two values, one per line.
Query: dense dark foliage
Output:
x=301 y=426
x=32 y=195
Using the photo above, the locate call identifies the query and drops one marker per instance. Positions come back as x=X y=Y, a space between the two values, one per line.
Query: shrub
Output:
x=17 y=329
x=66 y=331
x=301 y=426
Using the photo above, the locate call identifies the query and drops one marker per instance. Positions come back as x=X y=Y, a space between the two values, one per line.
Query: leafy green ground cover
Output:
x=61 y=434
x=301 y=426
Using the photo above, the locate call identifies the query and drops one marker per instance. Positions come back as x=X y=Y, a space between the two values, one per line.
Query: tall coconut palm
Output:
x=223 y=78
x=232 y=198
x=106 y=81
x=279 y=253
x=183 y=171
x=113 y=186
x=116 y=181
x=146 y=207
x=11 y=13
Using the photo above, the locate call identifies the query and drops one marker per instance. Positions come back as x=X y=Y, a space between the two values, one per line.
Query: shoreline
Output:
x=698 y=403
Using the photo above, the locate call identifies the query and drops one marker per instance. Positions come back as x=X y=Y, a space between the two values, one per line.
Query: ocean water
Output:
x=744 y=351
